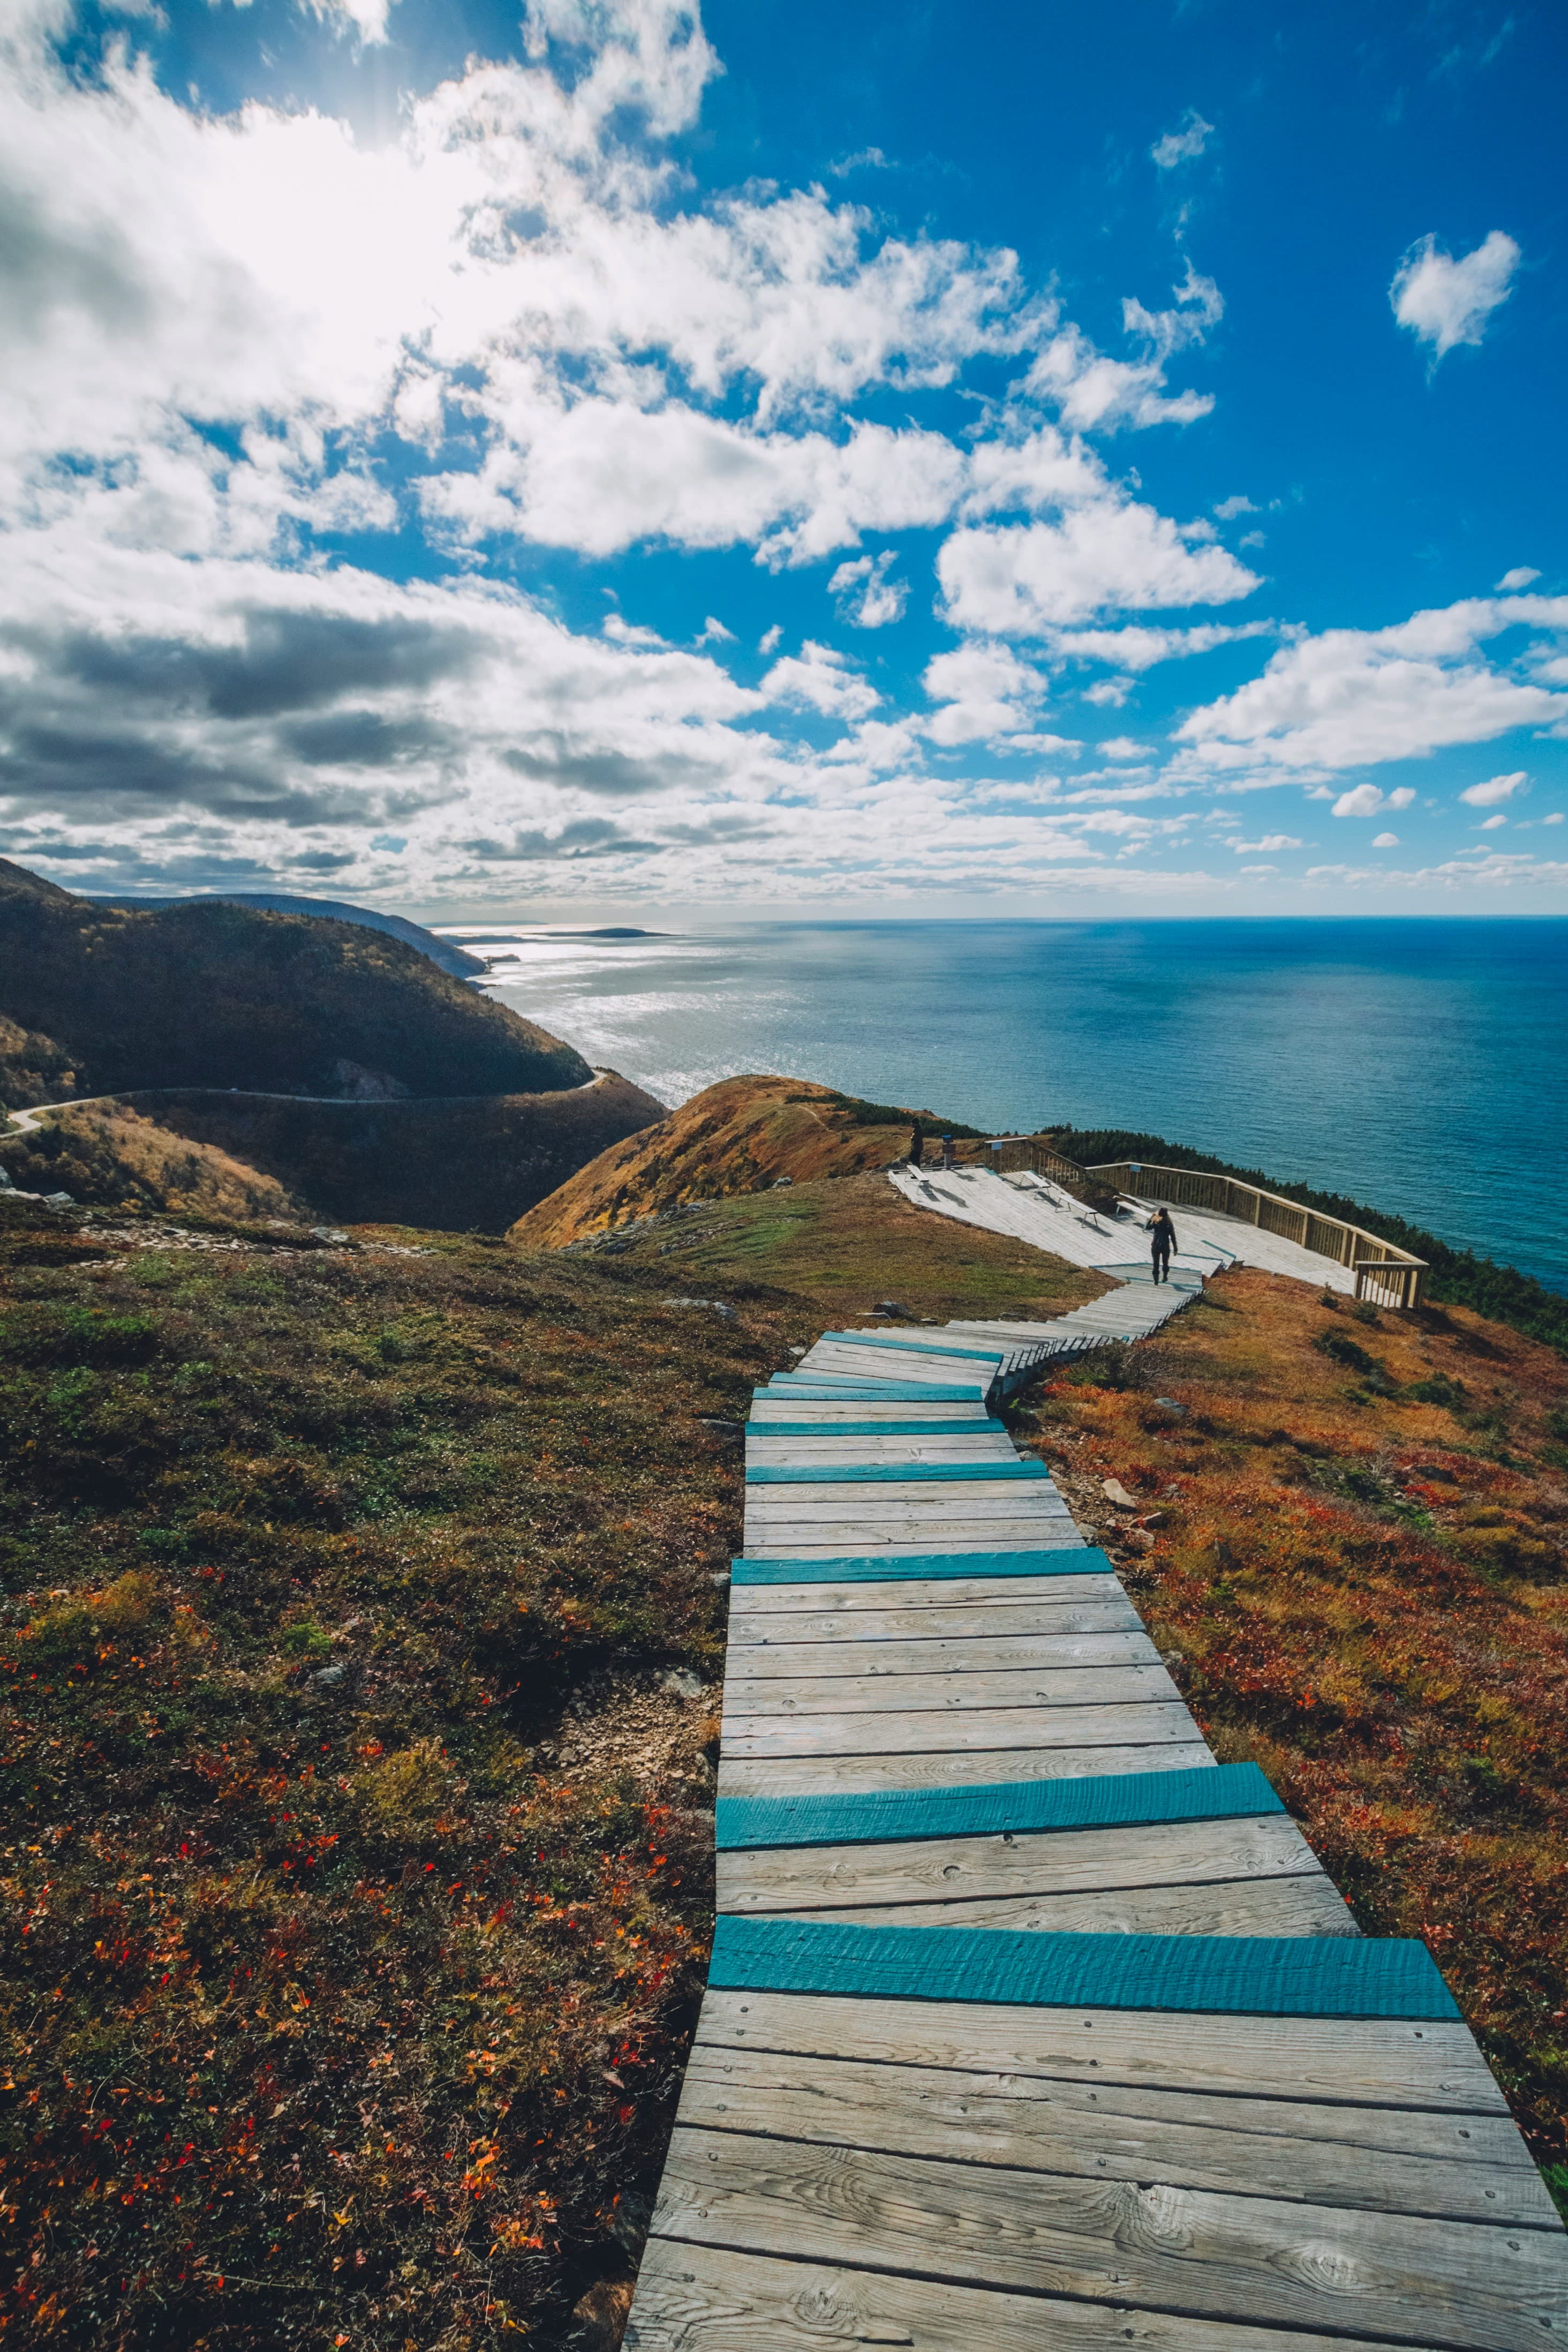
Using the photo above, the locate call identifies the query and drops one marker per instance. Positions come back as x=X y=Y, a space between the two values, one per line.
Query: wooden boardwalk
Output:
x=1028 y=2023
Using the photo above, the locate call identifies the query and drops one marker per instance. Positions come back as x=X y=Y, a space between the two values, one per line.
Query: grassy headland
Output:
x=739 y=1136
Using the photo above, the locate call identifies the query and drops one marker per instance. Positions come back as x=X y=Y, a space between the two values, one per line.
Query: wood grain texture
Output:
x=1412 y=2281
x=1363 y=2061
x=831 y=1662
x=1308 y=1905
x=1381 y=2159
x=838 y=1775
x=958 y=1729
x=702 y=2299
x=851 y=1693
x=1069 y=1587
x=751 y=1631
x=955 y=1869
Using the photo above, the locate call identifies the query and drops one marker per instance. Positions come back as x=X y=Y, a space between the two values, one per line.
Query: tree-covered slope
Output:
x=218 y=995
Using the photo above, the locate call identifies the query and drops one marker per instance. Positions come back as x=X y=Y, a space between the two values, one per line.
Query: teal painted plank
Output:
x=913 y=1347
x=821 y=1391
x=883 y=1569
x=871 y=1473
x=1209 y=1793
x=982 y=1428
x=1236 y=1975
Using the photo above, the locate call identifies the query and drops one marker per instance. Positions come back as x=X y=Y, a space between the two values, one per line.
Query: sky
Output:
x=903 y=458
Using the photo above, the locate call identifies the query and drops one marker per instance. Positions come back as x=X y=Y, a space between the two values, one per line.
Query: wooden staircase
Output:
x=1028 y=2024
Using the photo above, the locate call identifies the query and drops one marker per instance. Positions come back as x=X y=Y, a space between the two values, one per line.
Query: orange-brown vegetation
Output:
x=739 y=1136
x=1352 y=1540
x=116 y=1154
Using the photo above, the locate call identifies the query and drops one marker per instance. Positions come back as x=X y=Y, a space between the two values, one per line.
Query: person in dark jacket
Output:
x=1162 y=1240
x=917 y=1145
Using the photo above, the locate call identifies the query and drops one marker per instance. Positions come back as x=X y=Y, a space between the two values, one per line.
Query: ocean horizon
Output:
x=1412 y=1063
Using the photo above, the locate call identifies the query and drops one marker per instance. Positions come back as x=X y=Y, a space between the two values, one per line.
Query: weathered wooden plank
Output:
x=844 y=1630
x=944 y=1869
x=839 y=1775
x=1243 y=1976
x=1004 y=1810
x=1381 y=2159
x=1051 y=1538
x=1000 y=1470
x=879 y=1426
x=1421 y=2064
x=900 y=1588
x=835 y=1661
x=1005 y=1688
x=704 y=2299
x=1408 y=2278
x=928 y=1732
x=1306 y=1905
x=903 y=1501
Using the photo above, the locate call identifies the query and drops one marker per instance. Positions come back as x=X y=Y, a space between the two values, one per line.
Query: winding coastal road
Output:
x=24 y=1123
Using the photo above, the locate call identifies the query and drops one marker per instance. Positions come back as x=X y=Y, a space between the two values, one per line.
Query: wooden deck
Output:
x=1035 y=1210
x=1028 y=2023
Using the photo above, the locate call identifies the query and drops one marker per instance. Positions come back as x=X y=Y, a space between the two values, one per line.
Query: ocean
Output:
x=1415 y=1065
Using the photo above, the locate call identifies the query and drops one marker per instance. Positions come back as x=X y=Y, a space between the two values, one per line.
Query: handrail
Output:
x=1389 y=1275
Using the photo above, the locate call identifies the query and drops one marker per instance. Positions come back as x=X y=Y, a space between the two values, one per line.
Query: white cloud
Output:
x=1555 y=817
x=368 y=17
x=1362 y=800
x=1139 y=649
x=714 y=632
x=1184 y=144
x=1228 y=509
x=1124 y=747
x=1091 y=390
x=1386 y=841
x=1351 y=697
x=1490 y=824
x=1521 y=576
x=987 y=694
x=1444 y=302
x=1026 y=580
x=1495 y=789
x=1269 y=841
x=819 y=678
x=767 y=642
x=868 y=598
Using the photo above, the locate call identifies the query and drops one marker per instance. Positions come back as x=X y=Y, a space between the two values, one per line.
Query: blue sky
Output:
x=786 y=458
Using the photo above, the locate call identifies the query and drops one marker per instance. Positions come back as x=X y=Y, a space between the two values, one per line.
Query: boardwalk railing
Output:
x=1387 y=1275
x=1008 y=1154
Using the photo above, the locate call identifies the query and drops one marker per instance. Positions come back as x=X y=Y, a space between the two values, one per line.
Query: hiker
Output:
x=1162 y=1240
x=917 y=1145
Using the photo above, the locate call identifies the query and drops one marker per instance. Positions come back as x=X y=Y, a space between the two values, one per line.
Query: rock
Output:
x=6 y=1183
x=889 y=1307
x=716 y=1306
x=328 y=1233
x=599 y=2317
x=684 y=1683
x=779 y=1182
x=58 y=1201
x=1169 y=1405
x=1114 y=1492
x=330 y=1677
